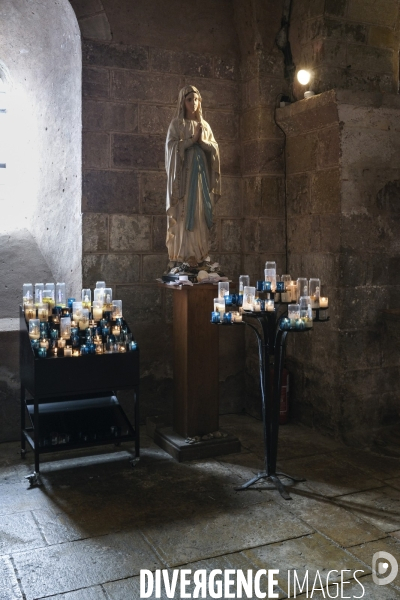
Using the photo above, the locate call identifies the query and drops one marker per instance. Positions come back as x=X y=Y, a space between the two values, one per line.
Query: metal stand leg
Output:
x=34 y=478
x=23 y=440
x=270 y=402
x=135 y=460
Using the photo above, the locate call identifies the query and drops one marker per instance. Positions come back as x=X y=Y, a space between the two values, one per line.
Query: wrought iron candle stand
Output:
x=271 y=342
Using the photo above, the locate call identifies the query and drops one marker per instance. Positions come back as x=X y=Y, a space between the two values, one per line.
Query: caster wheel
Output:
x=23 y=453
x=133 y=462
x=33 y=479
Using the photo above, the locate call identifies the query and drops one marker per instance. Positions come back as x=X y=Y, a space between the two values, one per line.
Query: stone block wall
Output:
x=343 y=188
x=349 y=44
x=129 y=97
x=263 y=160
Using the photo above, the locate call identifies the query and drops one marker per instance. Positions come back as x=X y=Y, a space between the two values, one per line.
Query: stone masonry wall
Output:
x=263 y=164
x=349 y=44
x=369 y=262
x=343 y=159
x=314 y=221
x=129 y=97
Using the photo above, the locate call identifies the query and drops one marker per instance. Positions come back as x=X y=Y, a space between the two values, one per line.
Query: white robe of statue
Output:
x=193 y=171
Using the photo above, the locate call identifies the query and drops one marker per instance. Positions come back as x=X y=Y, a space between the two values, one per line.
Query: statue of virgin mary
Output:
x=194 y=182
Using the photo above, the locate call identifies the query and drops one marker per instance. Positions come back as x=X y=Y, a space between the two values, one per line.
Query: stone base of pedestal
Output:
x=181 y=451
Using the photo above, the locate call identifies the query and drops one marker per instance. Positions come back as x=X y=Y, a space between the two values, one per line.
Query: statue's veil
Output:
x=180 y=109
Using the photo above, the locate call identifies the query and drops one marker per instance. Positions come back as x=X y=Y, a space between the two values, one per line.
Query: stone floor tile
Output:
x=130 y=588
x=83 y=564
x=380 y=507
x=91 y=593
x=365 y=552
x=310 y=553
x=327 y=476
x=395 y=534
x=17 y=497
x=213 y=534
x=294 y=440
x=9 y=589
x=19 y=531
x=395 y=482
x=377 y=466
x=368 y=590
x=338 y=524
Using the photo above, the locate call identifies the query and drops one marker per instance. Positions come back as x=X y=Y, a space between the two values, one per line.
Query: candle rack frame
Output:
x=271 y=341
x=72 y=393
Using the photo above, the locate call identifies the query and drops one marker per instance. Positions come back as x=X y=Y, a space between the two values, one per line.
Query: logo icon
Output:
x=381 y=564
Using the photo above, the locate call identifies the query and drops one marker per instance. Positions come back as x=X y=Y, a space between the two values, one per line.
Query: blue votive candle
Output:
x=260 y=285
x=228 y=317
x=70 y=301
x=267 y=286
x=284 y=323
x=280 y=286
x=215 y=317
x=299 y=324
x=42 y=352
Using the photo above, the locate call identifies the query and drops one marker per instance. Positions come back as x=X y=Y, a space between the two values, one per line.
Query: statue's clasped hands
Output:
x=197 y=133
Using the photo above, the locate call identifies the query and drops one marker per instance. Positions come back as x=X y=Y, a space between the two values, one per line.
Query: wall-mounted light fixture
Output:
x=304 y=78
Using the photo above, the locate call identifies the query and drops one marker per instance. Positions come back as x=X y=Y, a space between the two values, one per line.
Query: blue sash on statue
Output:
x=199 y=168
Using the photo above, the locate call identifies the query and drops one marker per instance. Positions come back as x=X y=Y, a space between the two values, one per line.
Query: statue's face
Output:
x=191 y=103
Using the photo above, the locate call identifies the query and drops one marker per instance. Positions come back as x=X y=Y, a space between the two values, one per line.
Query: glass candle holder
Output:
x=302 y=287
x=132 y=345
x=68 y=351
x=39 y=287
x=306 y=311
x=100 y=284
x=43 y=312
x=270 y=275
x=27 y=293
x=53 y=334
x=257 y=305
x=223 y=289
x=65 y=327
x=34 y=329
x=70 y=302
x=30 y=311
x=75 y=341
x=219 y=306
x=314 y=292
x=84 y=319
x=116 y=330
x=269 y=305
x=48 y=299
x=84 y=350
x=98 y=296
x=249 y=294
x=99 y=348
x=293 y=313
x=61 y=297
x=77 y=311
x=108 y=298
x=121 y=347
x=270 y=265
x=291 y=288
x=227 y=317
x=236 y=317
x=299 y=324
x=244 y=280
x=117 y=309
x=52 y=288
x=86 y=298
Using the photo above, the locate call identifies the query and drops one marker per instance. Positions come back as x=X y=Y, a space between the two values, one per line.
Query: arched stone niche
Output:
x=40 y=60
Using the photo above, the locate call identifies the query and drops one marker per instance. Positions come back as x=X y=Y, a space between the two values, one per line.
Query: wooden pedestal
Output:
x=195 y=361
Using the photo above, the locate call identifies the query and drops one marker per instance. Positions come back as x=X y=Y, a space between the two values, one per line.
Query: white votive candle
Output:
x=323 y=302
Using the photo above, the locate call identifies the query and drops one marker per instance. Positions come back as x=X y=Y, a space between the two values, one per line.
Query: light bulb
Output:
x=303 y=76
